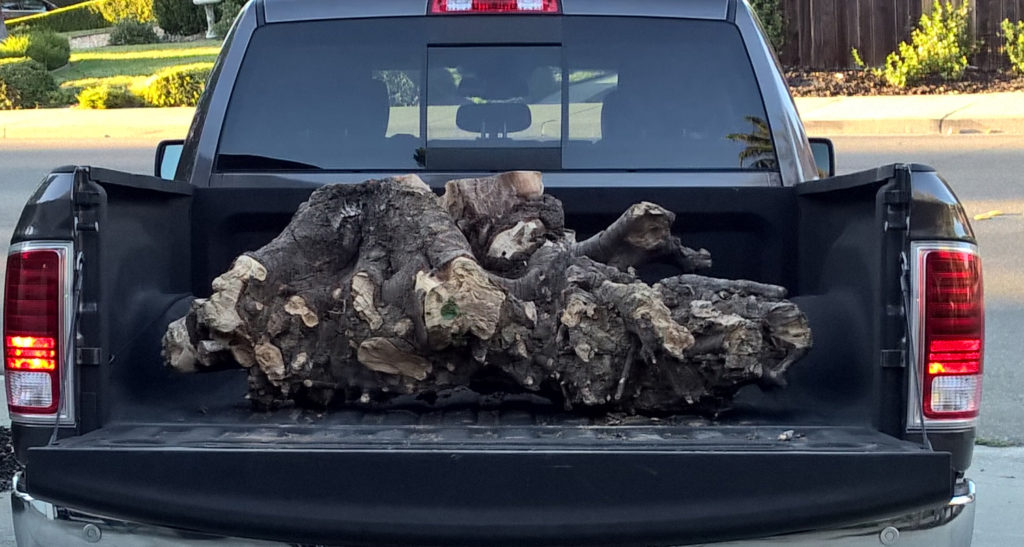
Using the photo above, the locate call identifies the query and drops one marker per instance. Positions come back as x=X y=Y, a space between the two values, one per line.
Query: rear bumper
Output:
x=376 y=484
x=41 y=524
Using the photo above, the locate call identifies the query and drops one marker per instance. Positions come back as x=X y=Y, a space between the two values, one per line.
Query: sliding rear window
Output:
x=410 y=94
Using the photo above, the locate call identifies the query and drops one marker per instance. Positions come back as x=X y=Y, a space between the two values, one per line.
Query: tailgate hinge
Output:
x=87 y=356
x=86 y=199
x=897 y=201
x=893 y=358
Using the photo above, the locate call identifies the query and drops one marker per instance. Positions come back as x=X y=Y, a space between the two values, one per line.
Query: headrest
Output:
x=366 y=109
x=494 y=118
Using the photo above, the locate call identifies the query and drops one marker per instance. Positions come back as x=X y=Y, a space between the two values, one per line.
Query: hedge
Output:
x=227 y=12
x=8 y=97
x=84 y=16
x=131 y=32
x=26 y=84
x=14 y=46
x=49 y=48
x=180 y=17
x=177 y=85
x=43 y=45
x=102 y=97
x=123 y=10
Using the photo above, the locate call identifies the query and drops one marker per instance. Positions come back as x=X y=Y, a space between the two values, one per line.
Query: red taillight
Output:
x=493 y=6
x=31 y=353
x=33 y=316
x=954 y=334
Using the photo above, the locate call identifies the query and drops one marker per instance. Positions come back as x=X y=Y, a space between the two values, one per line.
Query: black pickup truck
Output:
x=677 y=103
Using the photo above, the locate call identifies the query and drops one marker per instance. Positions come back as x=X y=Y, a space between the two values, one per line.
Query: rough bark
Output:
x=382 y=288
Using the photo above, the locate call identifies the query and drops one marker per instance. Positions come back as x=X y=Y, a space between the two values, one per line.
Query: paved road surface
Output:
x=986 y=172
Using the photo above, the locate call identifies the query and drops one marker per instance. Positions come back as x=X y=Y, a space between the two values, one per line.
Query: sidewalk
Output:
x=914 y=114
x=68 y=123
x=901 y=115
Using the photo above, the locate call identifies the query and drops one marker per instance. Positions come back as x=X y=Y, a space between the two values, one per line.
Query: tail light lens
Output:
x=953 y=328
x=33 y=328
x=447 y=7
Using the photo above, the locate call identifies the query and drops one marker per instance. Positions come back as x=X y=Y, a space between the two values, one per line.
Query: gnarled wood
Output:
x=383 y=288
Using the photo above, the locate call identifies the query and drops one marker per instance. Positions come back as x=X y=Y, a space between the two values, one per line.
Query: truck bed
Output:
x=824 y=248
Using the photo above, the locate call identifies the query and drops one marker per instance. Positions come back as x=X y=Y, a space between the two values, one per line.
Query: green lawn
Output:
x=130 y=65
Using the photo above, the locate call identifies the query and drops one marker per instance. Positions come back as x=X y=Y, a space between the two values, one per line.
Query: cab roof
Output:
x=280 y=11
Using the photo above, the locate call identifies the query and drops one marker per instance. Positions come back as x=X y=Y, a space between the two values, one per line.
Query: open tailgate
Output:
x=448 y=485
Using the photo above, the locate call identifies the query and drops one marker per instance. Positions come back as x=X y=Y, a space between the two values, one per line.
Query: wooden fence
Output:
x=821 y=33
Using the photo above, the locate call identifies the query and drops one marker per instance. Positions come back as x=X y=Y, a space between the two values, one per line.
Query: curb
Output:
x=993 y=113
x=915 y=126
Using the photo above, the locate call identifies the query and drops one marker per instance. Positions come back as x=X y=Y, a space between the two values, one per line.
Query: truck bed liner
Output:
x=494 y=484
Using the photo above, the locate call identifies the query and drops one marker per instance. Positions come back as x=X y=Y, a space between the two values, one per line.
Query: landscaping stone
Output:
x=100 y=39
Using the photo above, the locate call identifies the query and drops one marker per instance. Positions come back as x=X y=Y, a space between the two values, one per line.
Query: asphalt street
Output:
x=987 y=172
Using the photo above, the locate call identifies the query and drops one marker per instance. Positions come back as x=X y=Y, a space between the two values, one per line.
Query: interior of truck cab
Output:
x=589 y=94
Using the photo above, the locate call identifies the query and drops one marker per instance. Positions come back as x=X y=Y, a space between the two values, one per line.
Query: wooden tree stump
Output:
x=383 y=288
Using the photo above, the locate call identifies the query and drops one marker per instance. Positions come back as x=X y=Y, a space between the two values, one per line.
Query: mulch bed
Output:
x=832 y=83
x=175 y=39
x=8 y=465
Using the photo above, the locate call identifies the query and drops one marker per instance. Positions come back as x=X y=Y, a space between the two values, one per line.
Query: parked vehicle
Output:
x=678 y=103
x=22 y=8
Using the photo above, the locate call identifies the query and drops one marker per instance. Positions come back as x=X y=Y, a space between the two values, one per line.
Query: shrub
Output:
x=61 y=97
x=8 y=96
x=227 y=12
x=858 y=60
x=177 y=85
x=180 y=17
x=939 y=47
x=14 y=46
x=49 y=48
x=772 y=19
x=102 y=97
x=131 y=32
x=122 y=10
x=27 y=84
x=84 y=16
x=43 y=45
x=1013 y=33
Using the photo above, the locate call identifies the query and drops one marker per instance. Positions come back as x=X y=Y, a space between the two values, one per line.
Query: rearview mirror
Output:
x=824 y=156
x=168 y=154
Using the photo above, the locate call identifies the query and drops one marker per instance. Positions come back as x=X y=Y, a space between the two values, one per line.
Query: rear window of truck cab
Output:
x=410 y=94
